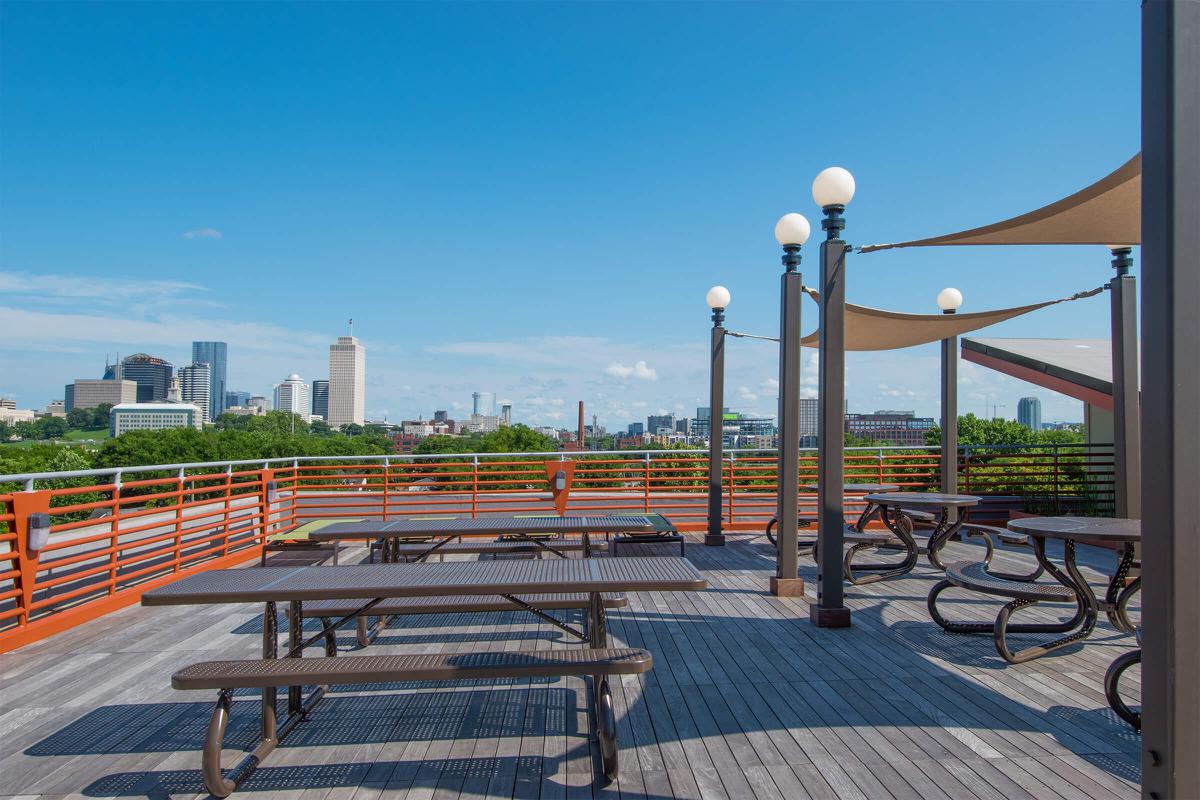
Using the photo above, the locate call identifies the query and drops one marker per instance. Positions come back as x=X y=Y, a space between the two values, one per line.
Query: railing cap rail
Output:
x=292 y=461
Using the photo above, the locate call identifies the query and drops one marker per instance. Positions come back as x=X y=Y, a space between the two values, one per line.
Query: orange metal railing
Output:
x=116 y=534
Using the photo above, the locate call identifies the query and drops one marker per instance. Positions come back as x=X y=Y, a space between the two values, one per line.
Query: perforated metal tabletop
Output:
x=483 y=526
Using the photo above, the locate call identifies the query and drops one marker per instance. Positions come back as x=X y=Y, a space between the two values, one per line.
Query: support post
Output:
x=830 y=610
x=1127 y=444
x=949 y=455
x=1171 y=395
x=716 y=429
x=787 y=581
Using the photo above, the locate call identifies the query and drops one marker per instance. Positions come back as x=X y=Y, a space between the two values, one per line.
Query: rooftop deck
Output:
x=746 y=700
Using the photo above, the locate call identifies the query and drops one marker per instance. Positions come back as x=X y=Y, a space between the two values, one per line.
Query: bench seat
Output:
x=497 y=547
x=458 y=604
x=265 y=673
x=974 y=576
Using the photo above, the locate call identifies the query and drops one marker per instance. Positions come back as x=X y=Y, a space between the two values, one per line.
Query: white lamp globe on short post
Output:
x=949 y=300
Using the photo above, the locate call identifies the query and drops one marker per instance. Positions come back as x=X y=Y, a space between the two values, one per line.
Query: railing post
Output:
x=474 y=486
x=114 y=530
x=228 y=492
x=1055 y=483
x=24 y=504
x=178 y=550
x=879 y=465
x=732 y=481
x=295 y=504
x=387 y=474
x=646 y=493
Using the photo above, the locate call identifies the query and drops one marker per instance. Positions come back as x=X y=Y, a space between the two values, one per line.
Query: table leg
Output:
x=870 y=511
x=295 y=636
x=880 y=571
x=1117 y=596
x=270 y=649
x=587 y=546
x=943 y=533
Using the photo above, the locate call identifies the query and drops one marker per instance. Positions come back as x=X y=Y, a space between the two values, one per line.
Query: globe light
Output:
x=792 y=229
x=717 y=297
x=833 y=186
x=949 y=299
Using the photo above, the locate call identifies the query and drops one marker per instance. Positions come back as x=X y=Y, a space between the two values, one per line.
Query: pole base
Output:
x=828 y=617
x=714 y=540
x=787 y=587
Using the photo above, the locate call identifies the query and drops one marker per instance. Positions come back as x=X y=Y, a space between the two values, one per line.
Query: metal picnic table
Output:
x=448 y=530
x=373 y=583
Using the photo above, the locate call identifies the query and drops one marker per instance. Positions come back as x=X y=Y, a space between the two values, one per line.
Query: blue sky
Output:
x=532 y=198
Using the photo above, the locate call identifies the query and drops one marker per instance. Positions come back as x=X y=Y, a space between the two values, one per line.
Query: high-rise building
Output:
x=347 y=382
x=195 y=387
x=441 y=416
x=635 y=429
x=656 y=422
x=292 y=396
x=92 y=392
x=237 y=399
x=506 y=414
x=259 y=402
x=483 y=404
x=1029 y=413
x=320 y=399
x=152 y=376
x=810 y=410
x=215 y=355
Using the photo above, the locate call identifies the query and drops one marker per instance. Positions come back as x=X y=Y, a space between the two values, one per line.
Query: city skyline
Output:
x=542 y=169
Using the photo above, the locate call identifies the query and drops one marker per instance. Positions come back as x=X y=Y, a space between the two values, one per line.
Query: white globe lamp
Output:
x=949 y=300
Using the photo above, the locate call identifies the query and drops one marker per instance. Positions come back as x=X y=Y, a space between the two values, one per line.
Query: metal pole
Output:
x=787 y=581
x=1127 y=450
x=830 y=611
x=716 y=429
x=949 y=456
x=1171 y=394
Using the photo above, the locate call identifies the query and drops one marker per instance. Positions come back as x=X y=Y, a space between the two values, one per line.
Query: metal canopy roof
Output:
x=1107 y=213
x=1079 y=368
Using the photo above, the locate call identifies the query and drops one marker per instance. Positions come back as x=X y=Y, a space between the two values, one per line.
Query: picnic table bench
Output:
x=1070 y=585
x=372 y=584
x=537 y=604
x=662 y=532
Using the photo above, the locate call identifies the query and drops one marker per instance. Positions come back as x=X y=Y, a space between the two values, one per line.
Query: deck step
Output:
x=264 y=673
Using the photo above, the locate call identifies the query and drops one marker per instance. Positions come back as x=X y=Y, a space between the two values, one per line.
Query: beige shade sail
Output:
x=875 y=329
x=1109 y=212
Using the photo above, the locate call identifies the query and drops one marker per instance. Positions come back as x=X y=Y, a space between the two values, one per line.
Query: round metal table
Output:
x=1124 y=533
x=891 y=507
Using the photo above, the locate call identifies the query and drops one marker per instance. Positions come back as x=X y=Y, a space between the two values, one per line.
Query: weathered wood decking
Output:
x=746 y=700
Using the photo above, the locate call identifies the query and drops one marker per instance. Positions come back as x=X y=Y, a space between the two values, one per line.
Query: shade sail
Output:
x=876 y=329
x=1109 y=212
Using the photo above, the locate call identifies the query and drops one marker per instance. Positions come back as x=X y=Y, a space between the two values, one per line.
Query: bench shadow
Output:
x=503 y=776
x=367 y=719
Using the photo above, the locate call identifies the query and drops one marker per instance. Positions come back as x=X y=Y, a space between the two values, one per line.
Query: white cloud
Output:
x=639 y=370
x=746 y=395
x=202 y=233
x=66 y=289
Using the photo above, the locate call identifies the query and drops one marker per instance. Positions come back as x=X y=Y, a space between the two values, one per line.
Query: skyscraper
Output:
x=292 y=396
x=152 y=375
x=236 y=398
x=347 y=382
x=195 y=387
x=320 y=399
x=1029 y=413
x=214 y=354
x=483 y=404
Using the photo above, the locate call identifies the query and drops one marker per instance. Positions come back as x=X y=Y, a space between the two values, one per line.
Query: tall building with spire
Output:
x=347 y=382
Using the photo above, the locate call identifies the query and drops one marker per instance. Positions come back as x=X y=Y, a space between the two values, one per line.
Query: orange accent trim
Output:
x=24 y=504
x=561 y=496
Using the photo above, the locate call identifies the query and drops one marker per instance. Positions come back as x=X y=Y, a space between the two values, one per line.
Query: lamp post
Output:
x=791 y=232
x=832 y=189
x=718 y=301
x=1127 y=445
x=949 y=300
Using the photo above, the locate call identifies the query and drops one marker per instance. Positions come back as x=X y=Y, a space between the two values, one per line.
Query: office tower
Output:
x=174 y=391
x=635 y=429
x=655 y=423
x=237 y=399
x=441 y=416
x=292 y=396
x=195 y=387
x=506 y=414
x=1029 y=413
x=903 y=428
x=320 y=399
x=259 y=402
x=809 y=411
x=152 y=376
x=92 y=392
x=215 y=355
x=483 y=404
x=347 y=382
